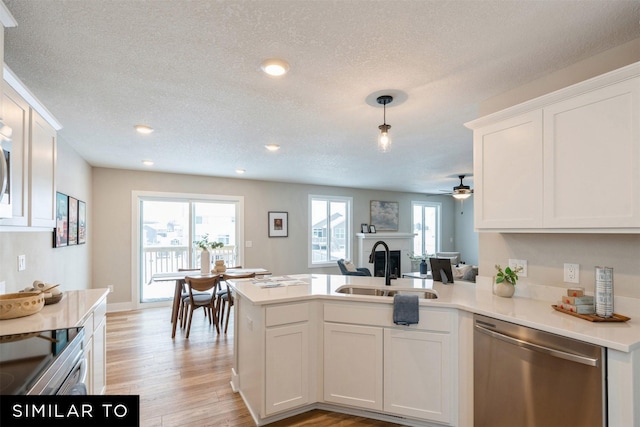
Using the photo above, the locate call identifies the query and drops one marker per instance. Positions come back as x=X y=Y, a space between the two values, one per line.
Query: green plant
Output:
x=508 y=275
x=204 y=243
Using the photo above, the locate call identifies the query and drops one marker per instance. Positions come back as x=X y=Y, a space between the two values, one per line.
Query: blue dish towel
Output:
x=405 y=309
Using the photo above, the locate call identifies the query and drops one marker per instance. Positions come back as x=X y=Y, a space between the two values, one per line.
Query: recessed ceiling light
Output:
x=147 y=162
x=240 y=171
x=272 y=147
x=143 y=129
x=275 y=67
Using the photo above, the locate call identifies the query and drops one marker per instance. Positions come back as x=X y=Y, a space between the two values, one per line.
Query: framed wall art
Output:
x=61 y=237
x=278 y=224
x=384 y=215
x=82 y=222
x=73 y=221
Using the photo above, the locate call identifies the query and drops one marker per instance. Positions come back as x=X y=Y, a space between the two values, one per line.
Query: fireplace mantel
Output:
x=396 y=241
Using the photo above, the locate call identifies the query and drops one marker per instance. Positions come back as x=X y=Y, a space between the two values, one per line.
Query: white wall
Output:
x=112 y=224
x=466 y=238
x=547 y=253
x=69 y=266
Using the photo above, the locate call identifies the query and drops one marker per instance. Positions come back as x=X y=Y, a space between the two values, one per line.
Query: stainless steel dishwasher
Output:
x=524 y=377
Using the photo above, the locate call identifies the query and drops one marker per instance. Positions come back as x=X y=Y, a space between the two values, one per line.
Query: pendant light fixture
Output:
x=384 y=140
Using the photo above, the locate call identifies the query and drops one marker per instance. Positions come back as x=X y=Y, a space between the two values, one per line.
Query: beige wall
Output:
x=112 y=189
x=547 y=253
x=69 y=266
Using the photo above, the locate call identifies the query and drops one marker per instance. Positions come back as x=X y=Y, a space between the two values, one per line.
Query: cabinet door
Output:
x=592 y=159
x=507 y=163
x=43 y=173
x=418 y=380
x=353 y=365
x=16 y=115
x=287 y=367
x=99 y=370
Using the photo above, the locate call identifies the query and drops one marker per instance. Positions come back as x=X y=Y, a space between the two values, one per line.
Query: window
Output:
x=167 y=226
x=425 y=217
x=329 y=230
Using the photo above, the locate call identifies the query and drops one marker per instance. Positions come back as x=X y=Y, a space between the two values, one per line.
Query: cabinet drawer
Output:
x=284 y=314
x=431 y=319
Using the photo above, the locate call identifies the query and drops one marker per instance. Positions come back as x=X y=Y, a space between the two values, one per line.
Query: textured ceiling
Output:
x=191 y=70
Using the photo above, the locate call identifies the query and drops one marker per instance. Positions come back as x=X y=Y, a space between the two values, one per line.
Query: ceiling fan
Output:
x=461 y=191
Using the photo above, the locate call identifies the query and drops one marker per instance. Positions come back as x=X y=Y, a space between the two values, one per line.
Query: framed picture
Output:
x=73 y=221
x=384 y=215
x=364 y=228
x=61 y=237
x=372 y=229
x=82 y=222
x=278 y=224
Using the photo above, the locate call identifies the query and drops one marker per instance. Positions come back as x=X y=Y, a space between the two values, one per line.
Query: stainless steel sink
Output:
x=385 y=292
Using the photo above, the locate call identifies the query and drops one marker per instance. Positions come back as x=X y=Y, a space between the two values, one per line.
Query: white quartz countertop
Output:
x=533 y=310
x=72 y=310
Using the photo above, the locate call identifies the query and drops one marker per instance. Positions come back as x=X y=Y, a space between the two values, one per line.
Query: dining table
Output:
x=179 y=278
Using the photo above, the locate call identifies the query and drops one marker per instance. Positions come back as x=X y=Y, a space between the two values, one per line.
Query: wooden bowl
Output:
x=53 y=299
x=20 y=304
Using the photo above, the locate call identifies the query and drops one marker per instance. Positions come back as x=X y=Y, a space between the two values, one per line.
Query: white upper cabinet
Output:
x=508 y=173
x=43 y=173
x=565 y=162
x=592 y=159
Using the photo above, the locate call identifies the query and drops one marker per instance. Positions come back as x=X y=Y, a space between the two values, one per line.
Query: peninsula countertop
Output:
x=530 y=307
x=71 y=311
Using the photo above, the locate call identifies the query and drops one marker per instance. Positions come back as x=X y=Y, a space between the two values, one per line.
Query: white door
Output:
x=287 y=367
x=417 y=374
x=353 y=365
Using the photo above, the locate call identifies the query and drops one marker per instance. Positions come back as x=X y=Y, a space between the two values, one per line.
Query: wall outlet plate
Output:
x=22 y=262
x=515 y=263
x=572 y=273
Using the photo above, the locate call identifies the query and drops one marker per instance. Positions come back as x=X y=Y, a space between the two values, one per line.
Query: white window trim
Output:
x=348 y=229
x=438 y=207
x=136 y=196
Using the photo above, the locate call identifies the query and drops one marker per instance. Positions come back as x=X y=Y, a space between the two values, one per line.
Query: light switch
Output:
x=248 y=244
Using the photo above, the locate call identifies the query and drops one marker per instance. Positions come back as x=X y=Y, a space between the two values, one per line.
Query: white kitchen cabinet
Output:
x=287 y=367
x=33 y=163
x=42 y=166
x=507 y=160
x=95 y=328
x=353 y=365
x=418 y=374
x=592 y=159
x=567 y=161
x=16 y=115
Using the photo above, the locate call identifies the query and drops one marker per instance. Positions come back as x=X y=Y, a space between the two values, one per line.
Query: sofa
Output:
x=348 y=269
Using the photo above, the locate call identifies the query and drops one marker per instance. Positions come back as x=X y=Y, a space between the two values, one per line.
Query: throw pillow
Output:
x=349 y=266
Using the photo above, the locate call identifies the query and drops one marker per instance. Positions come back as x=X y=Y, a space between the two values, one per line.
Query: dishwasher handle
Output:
x=590 y=361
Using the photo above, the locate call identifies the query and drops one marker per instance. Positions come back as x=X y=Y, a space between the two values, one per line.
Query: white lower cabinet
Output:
x=95 y=329
x=353 y=365
x=417 y=374
x=398 y=370
x=287 y=367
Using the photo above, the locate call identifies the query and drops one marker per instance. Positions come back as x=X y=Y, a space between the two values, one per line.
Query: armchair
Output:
x=348 y=269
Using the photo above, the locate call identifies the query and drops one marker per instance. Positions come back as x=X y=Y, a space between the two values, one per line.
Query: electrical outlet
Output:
x=3 y=287
x=572 y=273
x=22 y=262
x=110 y=289
x=515 y=263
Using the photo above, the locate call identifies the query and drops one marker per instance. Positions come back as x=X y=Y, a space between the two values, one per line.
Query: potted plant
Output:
x=205 y=255
x=504 y=282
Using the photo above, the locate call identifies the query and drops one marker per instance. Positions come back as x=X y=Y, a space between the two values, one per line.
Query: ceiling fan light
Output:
x=461 y=196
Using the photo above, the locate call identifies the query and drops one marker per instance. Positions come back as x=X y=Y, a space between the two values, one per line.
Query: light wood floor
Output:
x=186 y=382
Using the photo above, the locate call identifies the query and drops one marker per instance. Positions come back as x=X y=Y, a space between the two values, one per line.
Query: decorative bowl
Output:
x=53 y=299
x=20 y=304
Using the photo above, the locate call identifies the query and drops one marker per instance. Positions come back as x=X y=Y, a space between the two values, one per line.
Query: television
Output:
x=441 y=270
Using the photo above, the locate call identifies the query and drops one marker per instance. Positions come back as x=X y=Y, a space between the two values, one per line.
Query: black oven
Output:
x=43 y=363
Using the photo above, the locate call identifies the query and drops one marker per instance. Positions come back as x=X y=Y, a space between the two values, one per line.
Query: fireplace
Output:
x=394 y=264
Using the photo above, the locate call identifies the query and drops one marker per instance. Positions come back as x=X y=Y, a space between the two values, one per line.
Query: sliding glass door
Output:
x=167 y=227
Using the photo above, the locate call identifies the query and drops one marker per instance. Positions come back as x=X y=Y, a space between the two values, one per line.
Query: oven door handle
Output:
x=539 y=348
x=4 y=174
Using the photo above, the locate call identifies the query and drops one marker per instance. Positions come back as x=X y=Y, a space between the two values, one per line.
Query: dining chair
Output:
x=225 y=298
x=206 y=299
x=184 y=293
